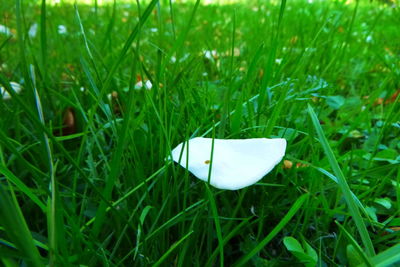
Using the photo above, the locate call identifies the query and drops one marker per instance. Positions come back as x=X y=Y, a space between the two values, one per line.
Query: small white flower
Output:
x=5 y=30
x=210 y=54
x=236 y=163
x=173 y=59
x=33 y=30
x=62 y=29
x=368 y=39
x=139 y=85
x=278 y=61
x=15 y=86
x=147 y=85
x=153 y=29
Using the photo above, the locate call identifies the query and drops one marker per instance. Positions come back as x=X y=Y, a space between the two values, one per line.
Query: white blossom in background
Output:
x=33 y=30
x=5 y=30
x=153 y=29
x=369 y=39
x=140 y=85
x=61 y=29
x=235 y=164
x=210 y=54
x=15 y=86
x=278 y=61
x=148 y=85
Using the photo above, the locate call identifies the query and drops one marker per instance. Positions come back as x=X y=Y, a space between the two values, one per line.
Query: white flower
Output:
x=61 y=29
x=5 y=30
x=33 y=30
x=15 y=86
x=236 y=163
x=153 y=29
x=139 y=85
x=210 y=54
x=278 y=61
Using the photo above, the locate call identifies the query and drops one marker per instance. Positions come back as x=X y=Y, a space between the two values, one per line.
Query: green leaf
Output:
x=292 y=244
x=335 y=102
x=308 y=256
x=385 y=202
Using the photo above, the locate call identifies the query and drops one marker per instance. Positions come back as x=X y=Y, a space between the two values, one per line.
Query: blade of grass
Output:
x=21 y=186
x=54 y=210
x=33 y=118
x=289 y=215
x=16 y=228
x=352 y=205
x=115 y=165
x=121 y=56
x=355 y=244
x=227 y=238
x=172 y=248
x=268 y=69
x=389 y=257
x=217 y=223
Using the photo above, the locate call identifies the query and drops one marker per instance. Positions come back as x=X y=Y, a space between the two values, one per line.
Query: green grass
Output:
x=97 y=190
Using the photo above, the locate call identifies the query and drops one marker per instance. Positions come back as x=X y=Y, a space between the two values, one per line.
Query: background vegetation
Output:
x=109 y=90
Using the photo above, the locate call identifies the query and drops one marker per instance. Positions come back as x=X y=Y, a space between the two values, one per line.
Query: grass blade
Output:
x=16 y=228
x=172 y=248
x=387 y=258
x=355 y=244
x=289 y=215
x=21 y=186
x=354 y=211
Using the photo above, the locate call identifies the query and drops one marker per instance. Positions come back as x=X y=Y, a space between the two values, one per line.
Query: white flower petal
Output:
x=62 y=29
x=148 y=85
x=5 y=30
x=15 y=86
x=236 y=163
x=33 y=30
x=139 y=85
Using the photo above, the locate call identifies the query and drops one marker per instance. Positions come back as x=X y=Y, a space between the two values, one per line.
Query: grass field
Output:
x=108 y=89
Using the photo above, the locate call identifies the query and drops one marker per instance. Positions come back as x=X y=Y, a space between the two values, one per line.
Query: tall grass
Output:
x=85 y=175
